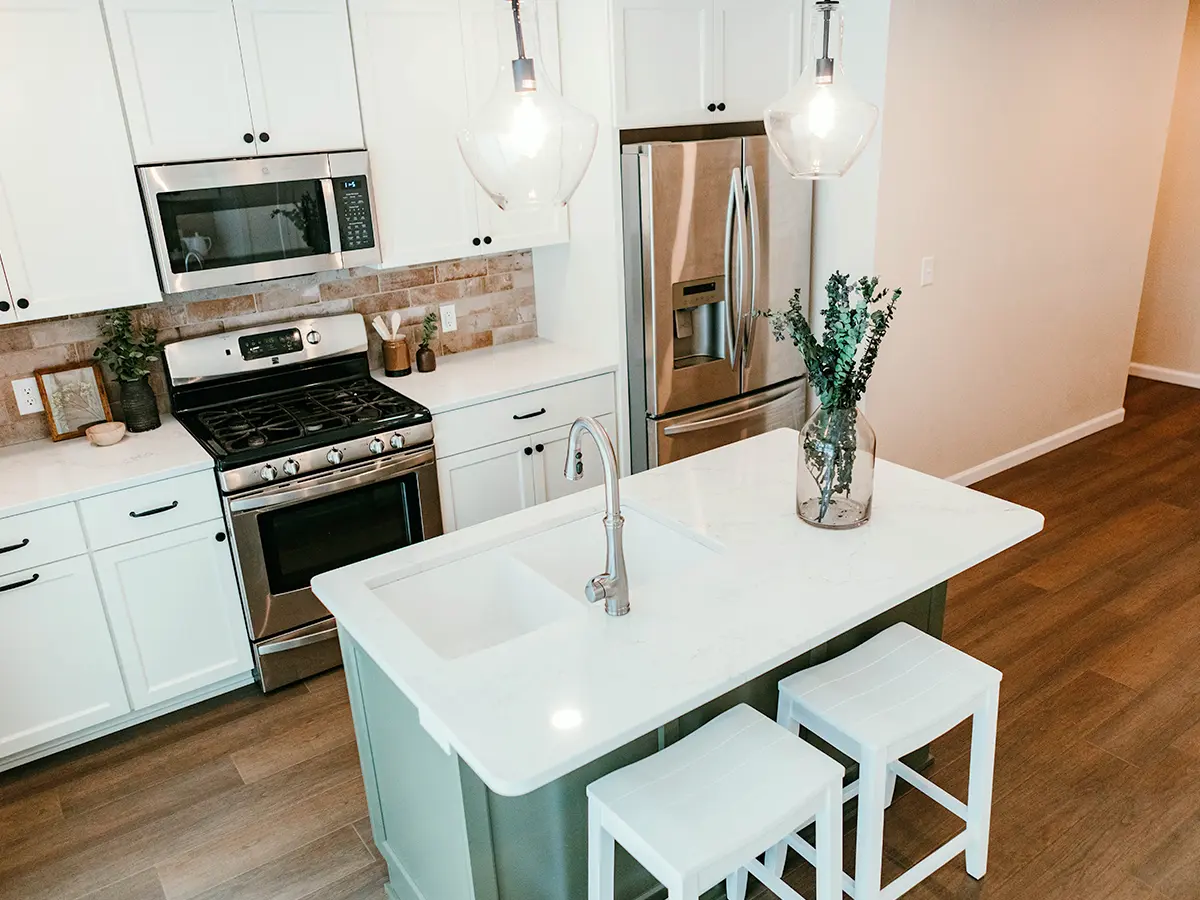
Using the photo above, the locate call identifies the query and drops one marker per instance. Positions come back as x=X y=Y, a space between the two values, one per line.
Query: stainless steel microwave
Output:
x=241 y=220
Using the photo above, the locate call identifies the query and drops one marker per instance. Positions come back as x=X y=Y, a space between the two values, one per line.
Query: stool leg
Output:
x=872 y=801
x=777 y=856
x=735 y=885
x=829 y=846
x=979 y=792
x=601 y=858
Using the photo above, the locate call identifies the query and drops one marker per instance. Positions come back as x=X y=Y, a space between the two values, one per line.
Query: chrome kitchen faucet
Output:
x=613 y=586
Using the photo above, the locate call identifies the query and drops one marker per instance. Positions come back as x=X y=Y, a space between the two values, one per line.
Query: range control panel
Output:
x=354 y=212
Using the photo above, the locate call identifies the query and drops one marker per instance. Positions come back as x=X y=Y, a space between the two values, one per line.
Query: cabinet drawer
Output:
x=150 y=509
x=523 y=414
x=36 y=538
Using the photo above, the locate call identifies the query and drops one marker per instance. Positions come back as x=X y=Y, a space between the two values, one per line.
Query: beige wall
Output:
x=1168 y=334
x=1023 y=146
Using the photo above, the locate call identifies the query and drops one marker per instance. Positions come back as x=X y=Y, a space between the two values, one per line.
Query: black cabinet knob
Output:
x=721 y=107
x=529 y=451
x=264 y=137
x=476 y=242
x=540 y=448
x=5 y=306
x=220 y=537
x=22 y=303
x=712 y=107
x=488 y=239
x=248 y=138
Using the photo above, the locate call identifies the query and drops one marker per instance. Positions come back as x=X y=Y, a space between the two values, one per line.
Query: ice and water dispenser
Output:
x=700 y=321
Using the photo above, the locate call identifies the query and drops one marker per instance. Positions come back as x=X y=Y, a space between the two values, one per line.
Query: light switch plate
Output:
x=927 y=271
x=29 y=399
x=449 y=318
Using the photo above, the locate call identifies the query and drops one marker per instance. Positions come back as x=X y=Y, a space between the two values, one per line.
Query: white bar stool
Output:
x=882 y=700
x=702 y=810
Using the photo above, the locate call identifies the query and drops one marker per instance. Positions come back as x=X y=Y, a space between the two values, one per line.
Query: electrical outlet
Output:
x=449 y=318
x=927 y=271
x=29 y=400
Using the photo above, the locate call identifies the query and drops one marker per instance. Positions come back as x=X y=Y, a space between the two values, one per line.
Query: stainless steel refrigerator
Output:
x=715 y=230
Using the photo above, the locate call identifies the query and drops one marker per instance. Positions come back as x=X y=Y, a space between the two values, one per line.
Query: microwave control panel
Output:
x=354 y=212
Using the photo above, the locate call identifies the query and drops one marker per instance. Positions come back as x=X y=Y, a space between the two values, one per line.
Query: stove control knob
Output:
x=268 y=473
x=335 y=456
x=397 y=441
x=291 y=467
x=313 y=337
x=376 y=446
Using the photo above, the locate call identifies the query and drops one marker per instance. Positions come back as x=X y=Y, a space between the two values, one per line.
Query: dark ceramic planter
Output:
x=139 y=405
x=426 y=361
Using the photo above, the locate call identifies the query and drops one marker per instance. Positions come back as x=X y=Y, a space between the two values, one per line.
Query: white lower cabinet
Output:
x=175 y=610
x=57 y=662
x=550 y=459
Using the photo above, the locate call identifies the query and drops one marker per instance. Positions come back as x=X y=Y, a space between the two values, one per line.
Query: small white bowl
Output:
x=106 y=434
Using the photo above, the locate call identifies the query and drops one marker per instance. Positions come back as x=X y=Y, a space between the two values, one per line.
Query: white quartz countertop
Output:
x=42 y=473
x=528 y=711
x=465 y=379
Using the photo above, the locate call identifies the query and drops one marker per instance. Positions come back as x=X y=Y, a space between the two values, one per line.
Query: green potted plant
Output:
x=426 y=361
x=128 y=355
x=835 y=481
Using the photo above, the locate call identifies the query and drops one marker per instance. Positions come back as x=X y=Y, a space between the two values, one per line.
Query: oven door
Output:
x=285 y=535
x=237 y=221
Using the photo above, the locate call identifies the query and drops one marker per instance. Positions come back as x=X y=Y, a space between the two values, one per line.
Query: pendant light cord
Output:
x=825 y=63
x=524 y=74
x=516 y=8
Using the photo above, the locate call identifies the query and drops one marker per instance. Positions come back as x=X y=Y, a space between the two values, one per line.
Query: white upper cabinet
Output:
x=181 y=76
x=689 y=62
x=213 y=79
x=8 y=310
x=299 y=66
x=412 y=80
x=72 y=230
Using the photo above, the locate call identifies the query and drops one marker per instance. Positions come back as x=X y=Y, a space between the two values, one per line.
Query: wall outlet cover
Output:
x=927 y=266
x=449 y=318
x=29 y=399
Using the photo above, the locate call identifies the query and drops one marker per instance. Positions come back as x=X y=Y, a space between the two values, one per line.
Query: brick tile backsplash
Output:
x=493 y=297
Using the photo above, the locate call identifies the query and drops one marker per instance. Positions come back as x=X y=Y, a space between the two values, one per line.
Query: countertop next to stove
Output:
x=42 y=473
x=466 y=379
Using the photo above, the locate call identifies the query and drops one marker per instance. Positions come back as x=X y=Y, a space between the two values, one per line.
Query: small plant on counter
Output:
x=838 y=443
x=128 y=355
x=426 y=361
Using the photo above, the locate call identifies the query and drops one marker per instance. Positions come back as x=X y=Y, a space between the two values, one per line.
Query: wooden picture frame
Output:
x=74 y=398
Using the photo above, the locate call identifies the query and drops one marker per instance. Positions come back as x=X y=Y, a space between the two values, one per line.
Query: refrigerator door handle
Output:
x=730 y=419
x=756 y=261
x=732 y=218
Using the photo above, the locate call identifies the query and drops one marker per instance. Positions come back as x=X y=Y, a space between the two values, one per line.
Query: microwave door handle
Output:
x=731 y=214
x=331 y=217
x=756 y=261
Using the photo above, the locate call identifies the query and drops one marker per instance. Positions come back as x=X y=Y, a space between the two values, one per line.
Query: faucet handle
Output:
x=596 y=590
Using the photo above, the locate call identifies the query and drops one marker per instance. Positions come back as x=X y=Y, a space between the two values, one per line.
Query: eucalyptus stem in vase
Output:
x=835 y=481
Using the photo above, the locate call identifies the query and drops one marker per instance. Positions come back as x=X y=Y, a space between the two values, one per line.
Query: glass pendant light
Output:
x=822 y=126
x=528 y=147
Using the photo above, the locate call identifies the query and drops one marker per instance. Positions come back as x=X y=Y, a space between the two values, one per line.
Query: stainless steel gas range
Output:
x=318 y=464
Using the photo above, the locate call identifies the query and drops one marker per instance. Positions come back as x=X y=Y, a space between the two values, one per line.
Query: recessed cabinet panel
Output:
x=412 y=80
x=72 y=231
x=485 y=484
x=664 y=51
x=550 y=453
x=181 y=75
x=759 y=54
x=57 y=660
x=176 y=613
x=299 y=67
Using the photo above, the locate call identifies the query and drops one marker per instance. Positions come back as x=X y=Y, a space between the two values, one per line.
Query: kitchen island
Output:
x=487 y=693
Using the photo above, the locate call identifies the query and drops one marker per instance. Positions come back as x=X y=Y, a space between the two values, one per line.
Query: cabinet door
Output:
x=550 y=457
x=411 y=77
x=8 y=311
x=72 y=231
x=491 y=46
x=175 y=610
x=486 y=483
x=181 y=76
x=759 y=52
x=57 y=660
x=663 y=68
x=299 y=68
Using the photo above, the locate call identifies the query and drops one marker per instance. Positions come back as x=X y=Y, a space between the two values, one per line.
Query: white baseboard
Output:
x=1038 y=448
x=1171 y=376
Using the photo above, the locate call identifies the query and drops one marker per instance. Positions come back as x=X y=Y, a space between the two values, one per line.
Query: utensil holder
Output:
x=396 y=361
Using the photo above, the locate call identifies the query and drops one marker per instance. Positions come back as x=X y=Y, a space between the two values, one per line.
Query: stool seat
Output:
x=738 y=782
x=896 y=692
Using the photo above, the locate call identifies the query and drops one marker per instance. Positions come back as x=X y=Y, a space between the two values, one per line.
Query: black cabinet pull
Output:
x=264 y=137
x=540 y=412
x=19 y=584
x=529 y=451
x=721 y=107
x=248 y=138
x=540 y=448
x=220 y=537
x=488 y=239
x=154 y=512
x=5 y=306
x=476 y=242
x=22 y=303
x=712 y=107
x=20 y=546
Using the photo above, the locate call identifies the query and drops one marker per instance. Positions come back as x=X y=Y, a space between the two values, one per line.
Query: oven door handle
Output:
x=316 y=637
x=334 y=483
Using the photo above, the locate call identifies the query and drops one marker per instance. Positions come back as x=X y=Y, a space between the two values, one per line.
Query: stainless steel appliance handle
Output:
x=740 y=202
x=756 y=261
x=730 y=327
x=334 y=482
x=316 y=637
x=331 y=216
x=741 y=415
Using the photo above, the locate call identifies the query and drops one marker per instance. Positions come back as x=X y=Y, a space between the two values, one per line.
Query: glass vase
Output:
x=836 y=477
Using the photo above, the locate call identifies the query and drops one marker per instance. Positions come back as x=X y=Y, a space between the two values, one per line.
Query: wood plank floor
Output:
x=1095 y=624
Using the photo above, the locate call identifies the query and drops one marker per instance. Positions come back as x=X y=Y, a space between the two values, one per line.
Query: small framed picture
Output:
x=74 y=399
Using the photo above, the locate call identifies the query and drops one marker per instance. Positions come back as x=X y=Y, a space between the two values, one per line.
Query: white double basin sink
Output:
x=473 y=603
